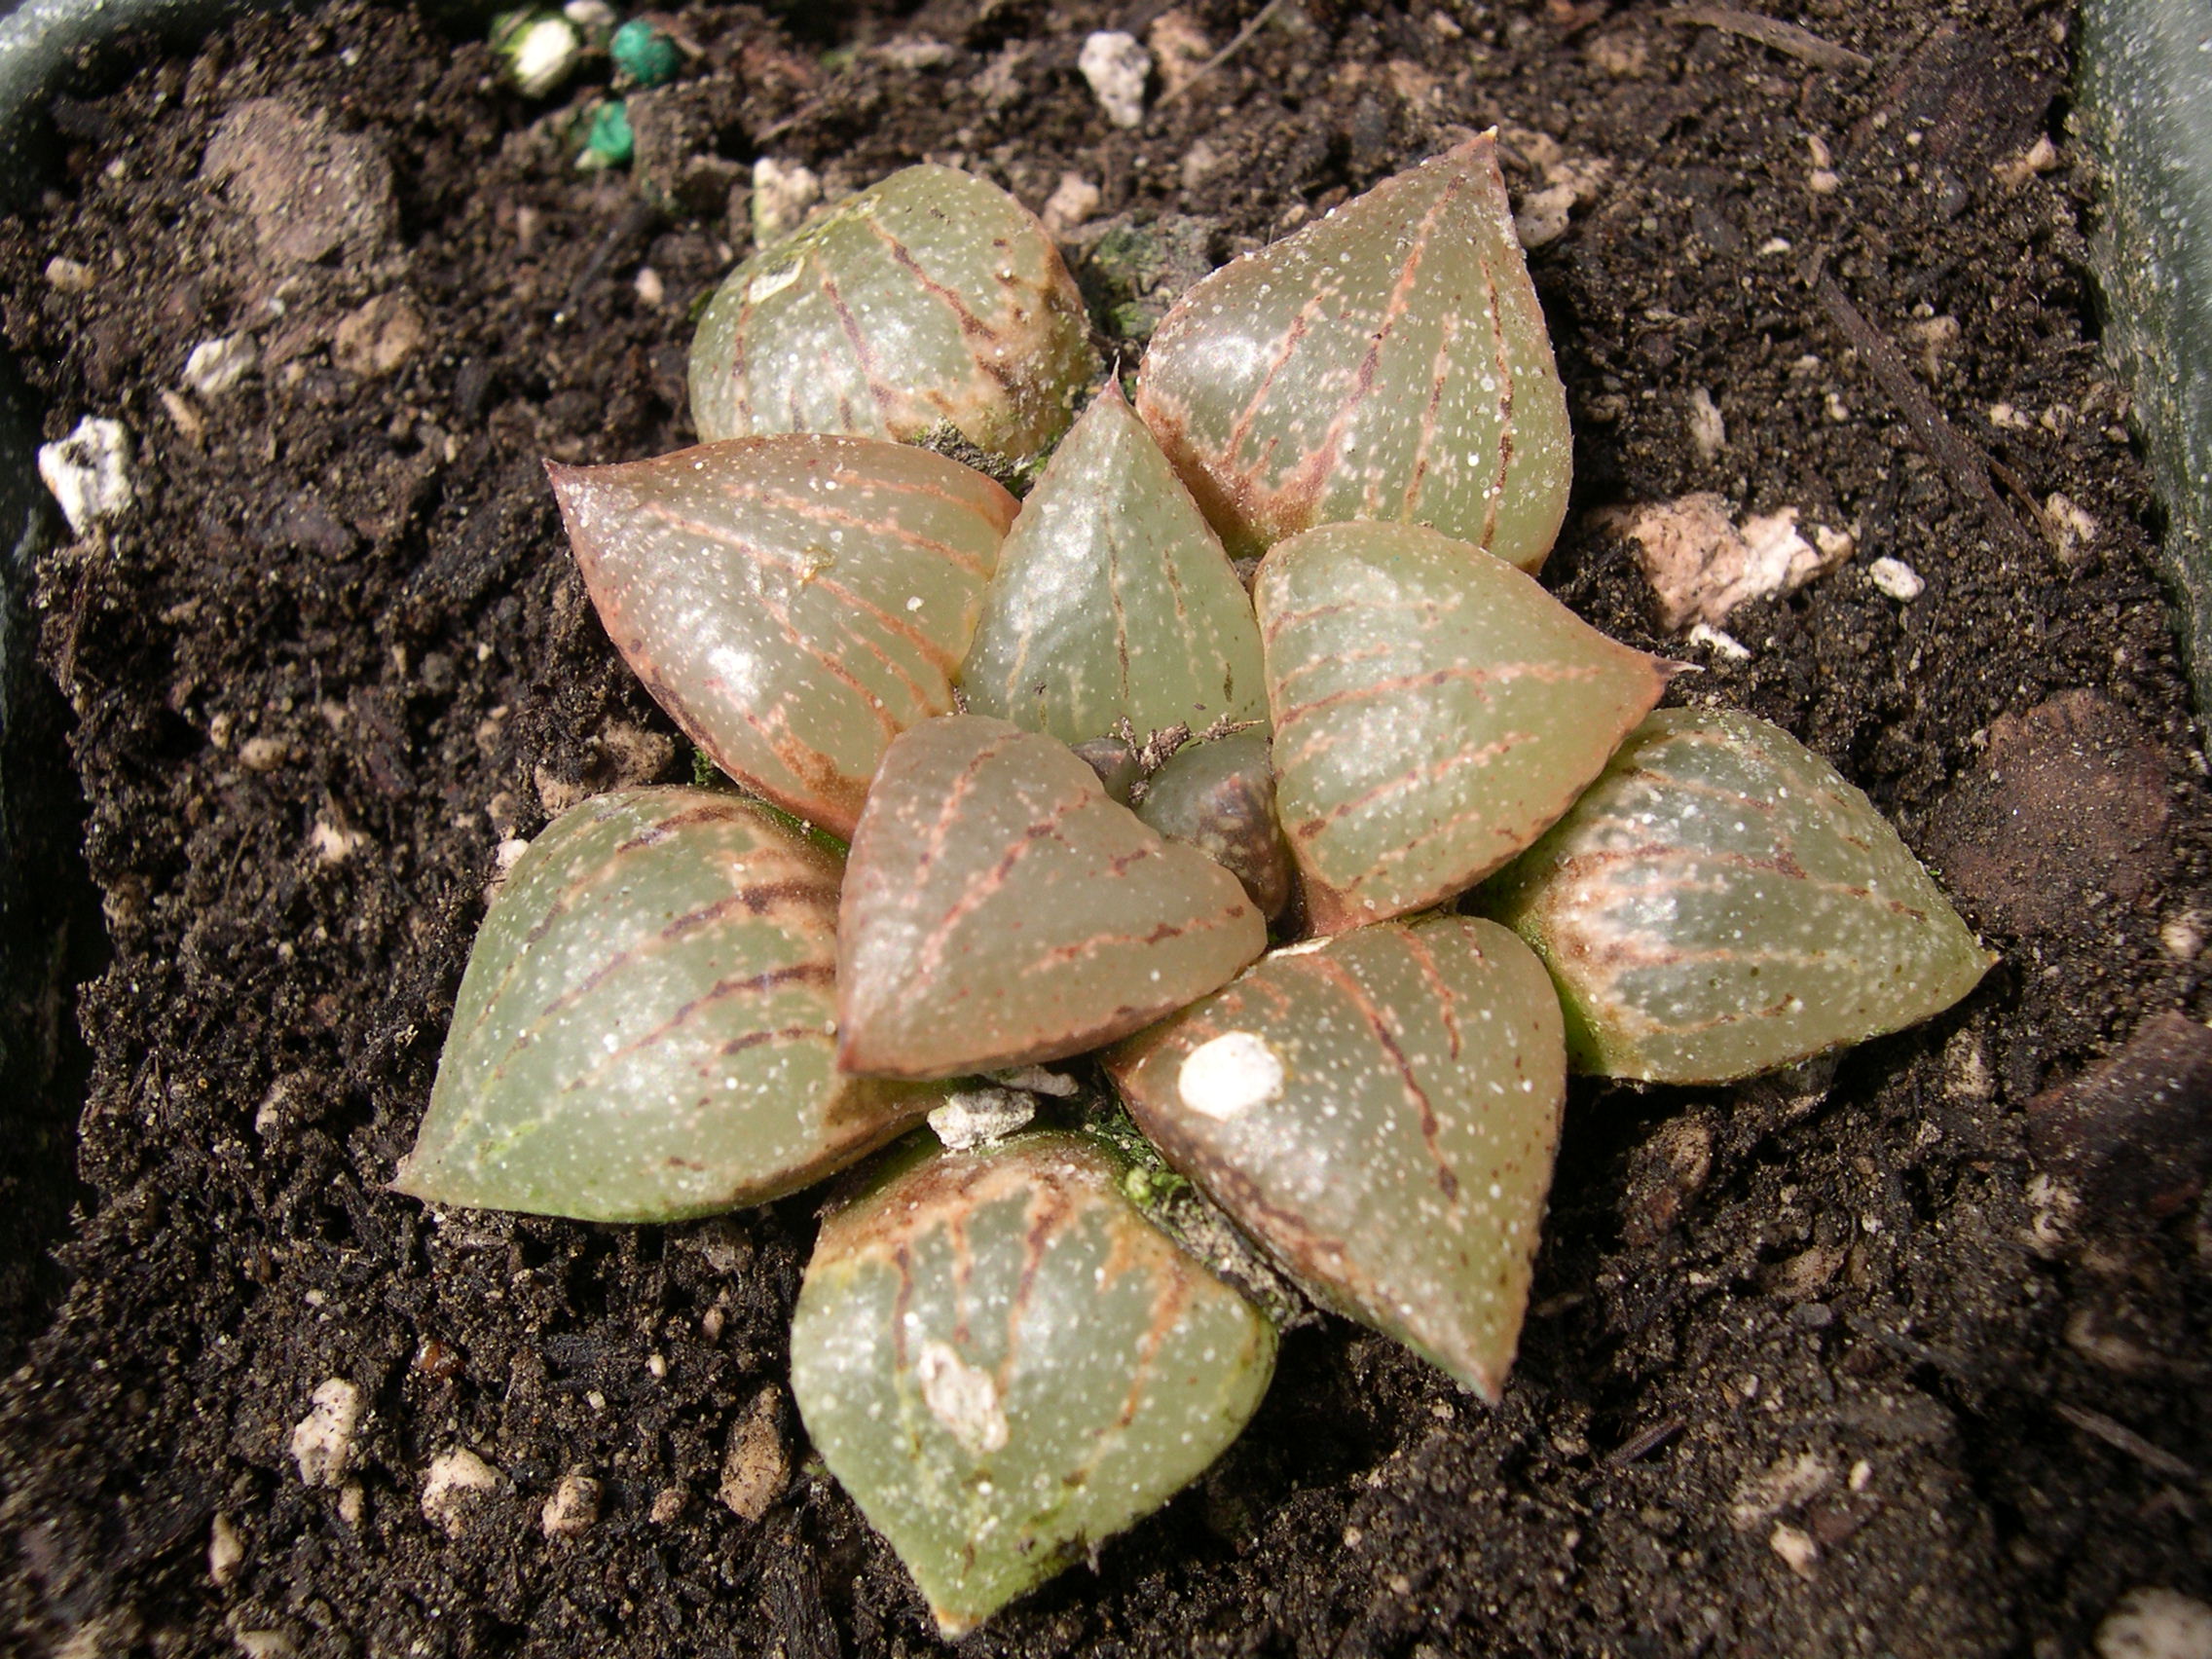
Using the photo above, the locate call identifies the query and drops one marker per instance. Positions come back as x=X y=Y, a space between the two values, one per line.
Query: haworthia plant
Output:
x=1387 y=362
x=794 y=603
x=1114 y=602
x=1722 y=903
x=1005 y=1363
x=645 y=1029
x=1000 y=909
x=1220 y=796
x=1434 y=711
x=1379 y=1111
x=934 y=296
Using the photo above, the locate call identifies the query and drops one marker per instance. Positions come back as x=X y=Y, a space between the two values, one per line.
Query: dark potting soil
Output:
x=1811 y=1369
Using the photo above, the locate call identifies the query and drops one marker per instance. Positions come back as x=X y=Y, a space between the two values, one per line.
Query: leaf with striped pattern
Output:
x=794 y=603
x=1113 y=600
x=1389 y=361
x=934 y=296
x=1000 y=909
x=1435 y=710
x=645 y=1030
x=1006 y=1364
x=1379 y=1111
x=1722 y=903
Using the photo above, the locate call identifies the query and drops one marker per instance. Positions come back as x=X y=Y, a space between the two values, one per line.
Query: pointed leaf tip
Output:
x=794 y=602
x=1114 y=600
x=642 y=1031
x=1112 y=1367
x=931 y=296
x=1721 y=902
x=1000 y=909
x=1435 y=710
x=1381 y=1112
x=1389 y=361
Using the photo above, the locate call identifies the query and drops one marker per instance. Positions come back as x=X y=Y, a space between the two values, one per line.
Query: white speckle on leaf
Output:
x=961 y=1397
x=88 y=472
x=1231 y=1075
x=1117 y=68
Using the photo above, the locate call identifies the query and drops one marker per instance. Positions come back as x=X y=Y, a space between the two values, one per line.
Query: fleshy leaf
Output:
x=1220 y=796
x=1722 y=903
x=1434 y=711
x=1006 y=1364
x=932 y=296
x=794 y=603
x=1387 y=362
x=1114 y=600
x=645 y=1030
x=1381 y=1112
x=1000 y=909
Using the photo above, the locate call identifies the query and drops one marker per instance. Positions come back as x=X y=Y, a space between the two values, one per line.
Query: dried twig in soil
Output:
x=1799 y=43
x=1937 y=436
x=2122 y=1438
x=1235 y=45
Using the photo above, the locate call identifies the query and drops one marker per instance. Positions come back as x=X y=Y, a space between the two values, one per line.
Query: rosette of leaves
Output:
x=1080 y=771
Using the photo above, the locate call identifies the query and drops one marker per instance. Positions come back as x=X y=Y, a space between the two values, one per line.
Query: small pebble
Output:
x=2156 y=1623
x=645 y=54
x=1544 y=215
x=68 y=276
x=756 y=1464
x=977 y=1117
x=1896 y=579
x=88 y=472
x=226 y=1551
x=668 y=1505
x=217 y=365
x=1719 y=642
x=1117 y=66
x=572 y=1508
x=1070 y=204
x=322 y=1441
x=264 y=1643
x=1797 y=1549
x=782 y=193
x=538 y=50
x=456 y=1481
x=651 y=290
x=1709 y=432
x=263 y=754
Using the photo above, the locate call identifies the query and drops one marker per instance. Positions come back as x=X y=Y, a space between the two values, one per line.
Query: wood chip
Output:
x=1799 y=43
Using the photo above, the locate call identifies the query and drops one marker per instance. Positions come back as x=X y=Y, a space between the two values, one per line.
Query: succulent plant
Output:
x=1115 y=609
x=1434 y=711
x=1079 y=770
x=932 y=297
x=1389 y=361
x=646 y=1029
x=1004 y=1362
x=794 y=603
x=1721 y=902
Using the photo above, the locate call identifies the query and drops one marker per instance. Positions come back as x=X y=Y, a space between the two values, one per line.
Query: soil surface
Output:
x=1878 y=1362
